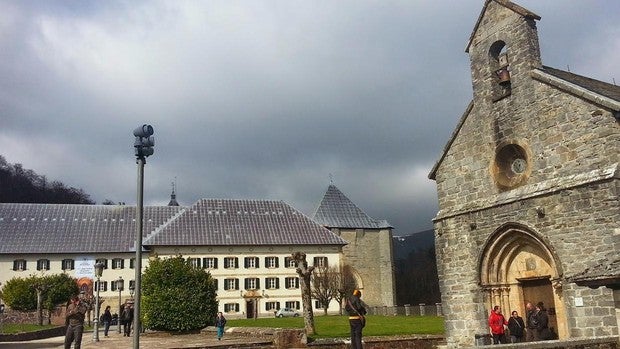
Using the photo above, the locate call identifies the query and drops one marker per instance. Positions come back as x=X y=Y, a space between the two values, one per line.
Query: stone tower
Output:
x=369 y=249
x=528 y=187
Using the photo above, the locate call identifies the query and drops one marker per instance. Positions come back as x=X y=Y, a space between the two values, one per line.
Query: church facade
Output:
x=528 y=188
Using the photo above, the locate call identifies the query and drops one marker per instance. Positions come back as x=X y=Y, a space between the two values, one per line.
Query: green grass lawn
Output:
x=19 y=328
x=335 y=326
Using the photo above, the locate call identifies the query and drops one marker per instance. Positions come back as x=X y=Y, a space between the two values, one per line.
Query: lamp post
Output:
x=119 y=287
x=143 y=145
x=98 y=272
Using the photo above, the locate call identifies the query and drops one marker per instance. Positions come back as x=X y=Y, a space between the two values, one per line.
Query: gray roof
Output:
x=337 y=211
x=53 y=228
x=241 y=222
x=596 y=86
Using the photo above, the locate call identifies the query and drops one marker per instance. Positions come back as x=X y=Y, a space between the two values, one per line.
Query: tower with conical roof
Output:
x=369 y=249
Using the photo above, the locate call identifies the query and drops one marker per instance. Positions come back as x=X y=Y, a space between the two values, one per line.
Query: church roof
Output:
x=58 y=228
x=241 y=222
x=606 y=273
x=337 y=211
x=506 y=3
x=596 y=86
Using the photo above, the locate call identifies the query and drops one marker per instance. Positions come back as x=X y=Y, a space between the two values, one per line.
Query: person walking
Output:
x=497 y=323
x=74 y=320
x=127 y=317
x=220 y=322
x=356 y=310
x=516 y=326
x=107 y=320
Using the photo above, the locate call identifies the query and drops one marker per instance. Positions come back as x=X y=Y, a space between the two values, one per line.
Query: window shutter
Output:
x=236 y=284
x=277 y=305
x=277 y=282
x=236 y=262
x=266 y=262
x=256 y=262
x=15 y=265
x=39 y=264
x=257 y=283
x=297 y=284
x=237 y=307
x=246 y=282
x=277 y=261
x=215 y=263
x=204 y=262
x=215 y=283
x=245 y=262
x=131 y=263
x=122 y=263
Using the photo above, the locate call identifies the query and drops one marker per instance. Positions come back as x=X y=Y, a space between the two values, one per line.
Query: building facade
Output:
x=246 y=245
x=528 y=187
x=369 y=249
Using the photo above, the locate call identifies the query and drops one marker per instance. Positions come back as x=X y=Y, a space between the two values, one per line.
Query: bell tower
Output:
x=503 y=48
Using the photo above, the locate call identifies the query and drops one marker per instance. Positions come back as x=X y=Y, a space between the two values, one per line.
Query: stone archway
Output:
x=518 y=266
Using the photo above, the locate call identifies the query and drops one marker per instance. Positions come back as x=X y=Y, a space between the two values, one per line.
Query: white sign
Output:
x=85 y=267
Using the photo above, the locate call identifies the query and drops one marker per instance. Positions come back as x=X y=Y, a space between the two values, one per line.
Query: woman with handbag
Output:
x=357 y=321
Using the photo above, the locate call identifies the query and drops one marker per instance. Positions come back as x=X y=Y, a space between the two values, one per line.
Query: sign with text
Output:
x=85 y=267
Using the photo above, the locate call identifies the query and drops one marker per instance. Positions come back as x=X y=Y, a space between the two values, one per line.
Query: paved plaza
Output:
x=147 y=340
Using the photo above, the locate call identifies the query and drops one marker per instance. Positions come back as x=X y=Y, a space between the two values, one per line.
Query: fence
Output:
x=408 y=310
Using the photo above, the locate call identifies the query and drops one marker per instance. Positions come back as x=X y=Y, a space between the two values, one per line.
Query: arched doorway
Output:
x=518 y=266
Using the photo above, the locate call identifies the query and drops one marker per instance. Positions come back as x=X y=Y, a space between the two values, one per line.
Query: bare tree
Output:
x=305 y=273
x=345 y=283
x=324 y=285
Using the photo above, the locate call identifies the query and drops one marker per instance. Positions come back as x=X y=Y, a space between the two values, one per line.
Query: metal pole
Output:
x=118 y=318
x=138 y=263
x=96 y=321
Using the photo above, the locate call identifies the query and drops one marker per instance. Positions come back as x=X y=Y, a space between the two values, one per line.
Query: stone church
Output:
x=528 y=188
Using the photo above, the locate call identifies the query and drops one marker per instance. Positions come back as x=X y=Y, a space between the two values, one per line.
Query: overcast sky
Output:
x=260 y=99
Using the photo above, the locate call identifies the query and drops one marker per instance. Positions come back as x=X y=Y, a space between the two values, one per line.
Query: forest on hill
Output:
x=20 y=185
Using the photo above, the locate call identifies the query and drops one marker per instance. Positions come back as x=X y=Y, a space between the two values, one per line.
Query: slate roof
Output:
x=596 y=86
x=51 y=228
x=337 y=211
x=241 y=222
x=606 y=273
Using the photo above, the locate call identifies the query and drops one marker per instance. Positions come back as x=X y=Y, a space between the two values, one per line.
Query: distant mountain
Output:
x=420 y=241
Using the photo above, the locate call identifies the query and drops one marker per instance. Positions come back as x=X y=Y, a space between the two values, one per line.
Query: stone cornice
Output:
x=533 y=190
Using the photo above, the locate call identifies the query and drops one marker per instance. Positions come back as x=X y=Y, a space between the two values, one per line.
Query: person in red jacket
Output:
x=497 y=323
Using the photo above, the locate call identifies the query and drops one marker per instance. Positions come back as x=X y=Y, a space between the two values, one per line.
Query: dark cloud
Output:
x=259 y=100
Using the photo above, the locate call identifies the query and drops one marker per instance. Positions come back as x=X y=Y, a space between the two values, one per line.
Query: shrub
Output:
x=19 y=294
x=177 y=296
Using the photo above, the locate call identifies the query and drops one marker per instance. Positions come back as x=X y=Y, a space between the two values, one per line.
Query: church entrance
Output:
x=516 y=266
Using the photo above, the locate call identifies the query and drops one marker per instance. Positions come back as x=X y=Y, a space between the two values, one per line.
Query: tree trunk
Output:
x=40 y=307
x=305 y=273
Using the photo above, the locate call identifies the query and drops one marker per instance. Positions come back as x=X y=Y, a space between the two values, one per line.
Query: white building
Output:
x=245 y=244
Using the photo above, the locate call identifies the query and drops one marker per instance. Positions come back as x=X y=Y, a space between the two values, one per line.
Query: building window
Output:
x=19 y=264
x=194 y=262
x=292 y=282
x=271 y=262
x=272 y=306
x=272 y=283
x=251 y=262
x=252 y=283
x=231 y=262
x=102 y=261
x=289 y=262
x=132 y=263
x=68 y=264
x=231 y=284
x=103 y=286
x=209 y=263
x=216 y=284
x=292 y=305
x=231 y=307
x=114 y=287
x=118 y=263
x=43 y=264
x=320 y=262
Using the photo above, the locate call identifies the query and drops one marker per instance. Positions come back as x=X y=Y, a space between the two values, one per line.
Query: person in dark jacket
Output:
x=530 y=322
x=127 y=316
x=356 y=310
x=516 y=327
x=542 y=323
x=107 y=320
x=76 y=312
x=220 y=323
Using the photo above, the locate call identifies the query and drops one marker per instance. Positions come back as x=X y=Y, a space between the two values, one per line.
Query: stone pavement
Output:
x=156 y=340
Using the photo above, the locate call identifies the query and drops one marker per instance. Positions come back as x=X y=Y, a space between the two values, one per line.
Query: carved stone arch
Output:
x=518 y=265
x=516 y=251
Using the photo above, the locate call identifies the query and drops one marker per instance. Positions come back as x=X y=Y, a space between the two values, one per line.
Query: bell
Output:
x=503 y=75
